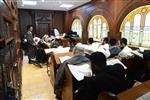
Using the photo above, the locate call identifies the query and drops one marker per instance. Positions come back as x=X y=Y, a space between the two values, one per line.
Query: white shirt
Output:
x=36 y=40
x=126 y=53
x=106 y=46
x=56 y=32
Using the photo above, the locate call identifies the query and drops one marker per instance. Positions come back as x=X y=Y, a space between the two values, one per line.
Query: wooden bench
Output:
x=130 y=94
x=53 y=64
x=67 y=88
x=69 y=83
x=135 y=92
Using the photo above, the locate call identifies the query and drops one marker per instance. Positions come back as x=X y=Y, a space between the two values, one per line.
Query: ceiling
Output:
x=51 y=4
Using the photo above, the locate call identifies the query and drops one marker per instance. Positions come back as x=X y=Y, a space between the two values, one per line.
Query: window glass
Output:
x=77 y=27
x=146 y=35
x=136 y=29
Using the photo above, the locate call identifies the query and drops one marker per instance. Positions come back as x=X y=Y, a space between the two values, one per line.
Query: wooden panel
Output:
x=42 y=20
x=59 y=21
x=25 y=18
x=42 y=29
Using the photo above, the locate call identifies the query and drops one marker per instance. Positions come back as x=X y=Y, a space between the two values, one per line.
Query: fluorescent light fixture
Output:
x=42 y=0
x=66 y=5
x=25 y=2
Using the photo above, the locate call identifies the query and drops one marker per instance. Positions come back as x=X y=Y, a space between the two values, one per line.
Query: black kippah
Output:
x=98 y=58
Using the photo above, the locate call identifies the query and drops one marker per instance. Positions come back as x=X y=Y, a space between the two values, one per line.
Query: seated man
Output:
x=126 y=52
x=142 y=72
x=90 y=41
x=114 y=50
x=105 y=43
x=92 y=44
x=105 y=78
x=45 y=42
x=78 y=58
x=104 y=47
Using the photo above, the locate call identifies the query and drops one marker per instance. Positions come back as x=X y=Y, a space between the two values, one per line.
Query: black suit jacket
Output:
x=30 y=45
x=29 y=38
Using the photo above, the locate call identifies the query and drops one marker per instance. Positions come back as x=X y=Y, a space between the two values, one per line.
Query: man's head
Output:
x=112 y=42
x=29 y=28
x=90 y=40
x=78 y=50
x=105 y=40
x=98 y=61
x=123 y=42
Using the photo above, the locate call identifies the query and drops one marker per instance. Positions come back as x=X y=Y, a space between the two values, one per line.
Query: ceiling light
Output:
x=42 y=0
x=66 y=5
x=25 y=2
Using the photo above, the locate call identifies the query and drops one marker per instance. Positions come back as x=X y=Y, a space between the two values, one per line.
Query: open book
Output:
x=115 y=61
x=79 y=71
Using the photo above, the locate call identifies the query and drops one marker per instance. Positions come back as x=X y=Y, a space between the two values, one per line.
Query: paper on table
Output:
x=62 y=59
x=115 y=61
x=57 y=50
x=79 y=71
x=144 y=97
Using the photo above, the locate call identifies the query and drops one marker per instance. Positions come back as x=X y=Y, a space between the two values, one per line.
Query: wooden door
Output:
x=42 y=28
x=43 y=23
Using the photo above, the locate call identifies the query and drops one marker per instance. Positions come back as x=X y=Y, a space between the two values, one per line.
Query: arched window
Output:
x=146 y=35
x=136 y=26
x=77 y=27
x=98 y=27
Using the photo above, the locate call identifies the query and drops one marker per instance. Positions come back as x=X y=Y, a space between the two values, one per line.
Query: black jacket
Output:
x=111 y=79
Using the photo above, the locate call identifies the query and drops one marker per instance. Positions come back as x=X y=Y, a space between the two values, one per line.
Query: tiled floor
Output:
x=36 y=83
